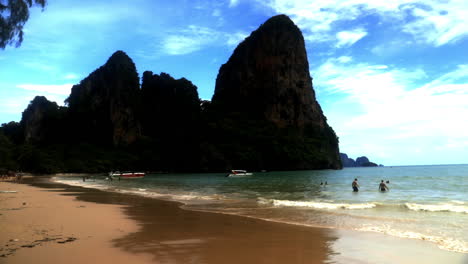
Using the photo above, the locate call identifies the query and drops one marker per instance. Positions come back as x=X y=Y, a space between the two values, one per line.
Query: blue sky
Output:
x=391 y=76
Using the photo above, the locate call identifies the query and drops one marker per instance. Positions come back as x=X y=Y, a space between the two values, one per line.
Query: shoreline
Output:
x=50 y=226
x=168 y=233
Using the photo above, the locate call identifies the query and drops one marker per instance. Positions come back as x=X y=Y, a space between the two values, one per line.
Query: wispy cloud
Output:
x=439 y=22
x=348 y=38
x=432 y=21
x=14 y=105
x=59 y=89
x=70 y=76
x=189 y=40
x=233 y=3
x=389 y=110
x=195 y=38
x=235 y=38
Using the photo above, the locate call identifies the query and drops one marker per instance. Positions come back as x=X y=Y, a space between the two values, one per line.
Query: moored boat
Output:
x=127 y=175
x=239 y=173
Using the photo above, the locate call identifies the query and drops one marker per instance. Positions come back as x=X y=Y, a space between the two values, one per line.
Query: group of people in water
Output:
x=382 y=186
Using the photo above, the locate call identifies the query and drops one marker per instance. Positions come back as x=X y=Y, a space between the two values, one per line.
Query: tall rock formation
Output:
x=168 y=103
x=104 y=105
x=171 y=116
x=266 y=84
x=41 y=121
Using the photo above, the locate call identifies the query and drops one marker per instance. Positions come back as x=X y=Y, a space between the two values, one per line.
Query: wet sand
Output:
x=65 y=224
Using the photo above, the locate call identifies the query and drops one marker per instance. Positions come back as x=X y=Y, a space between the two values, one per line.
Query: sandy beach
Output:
x=50 y=223
x=46 y=222
x=45 y=226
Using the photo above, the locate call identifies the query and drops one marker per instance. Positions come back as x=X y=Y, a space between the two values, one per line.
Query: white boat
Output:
x=239 y=173
x=127 y=175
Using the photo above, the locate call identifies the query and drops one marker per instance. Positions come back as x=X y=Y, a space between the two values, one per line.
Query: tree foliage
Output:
x=13 y=16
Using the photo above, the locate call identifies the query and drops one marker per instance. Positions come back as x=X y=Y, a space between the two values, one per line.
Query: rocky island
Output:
x=359 y=162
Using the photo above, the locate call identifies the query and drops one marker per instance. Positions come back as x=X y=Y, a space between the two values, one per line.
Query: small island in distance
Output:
x=263 y=116
x=359 y=162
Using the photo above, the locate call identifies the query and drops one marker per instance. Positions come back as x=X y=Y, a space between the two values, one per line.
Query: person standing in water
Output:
x=355 y=186
x=383 y=187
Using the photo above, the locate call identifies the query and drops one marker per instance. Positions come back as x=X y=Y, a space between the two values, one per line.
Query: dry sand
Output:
x=43 y=226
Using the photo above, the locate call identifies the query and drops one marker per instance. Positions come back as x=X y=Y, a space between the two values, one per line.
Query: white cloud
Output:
x=14 y=105
x=59 y=89
x=393 y=111
x=431 y=21
x=233 y=3
x=70 y=76
x=195 y=38
x=344 y=59
x=348 y=38
x=236 y=38
x=189 y=40
x=440 y=22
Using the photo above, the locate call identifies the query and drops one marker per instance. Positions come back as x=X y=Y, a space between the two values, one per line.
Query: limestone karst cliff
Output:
x=266 y=83
x=171 y=117
x=263 y=116
x=41 y=120
x=104 y=105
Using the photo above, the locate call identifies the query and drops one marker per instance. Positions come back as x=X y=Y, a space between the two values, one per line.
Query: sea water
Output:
x=427 y=203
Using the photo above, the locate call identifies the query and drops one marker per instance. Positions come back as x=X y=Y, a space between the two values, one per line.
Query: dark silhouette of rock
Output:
x=364 y=162
x=265 y=101
x=41 y=121
x=347 y=162
x=171 y=116
x=104 y=105
x=360 y=161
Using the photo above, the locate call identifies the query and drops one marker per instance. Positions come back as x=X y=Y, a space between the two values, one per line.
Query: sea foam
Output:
x=179 y=197
x=445 y=243
x=317 y=205
x=455 y=208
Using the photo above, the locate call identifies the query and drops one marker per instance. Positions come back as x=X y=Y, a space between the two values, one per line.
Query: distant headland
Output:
x=359 y=162
x=263 y=116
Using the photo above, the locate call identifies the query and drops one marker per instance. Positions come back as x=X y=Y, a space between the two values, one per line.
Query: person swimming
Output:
x=383 y=187
x=355 y=186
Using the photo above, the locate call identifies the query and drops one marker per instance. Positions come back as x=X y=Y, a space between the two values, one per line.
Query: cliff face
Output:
x=267 y=80
x=40 y=120
x=104 y=105
x=171 y=116
x=168 y=103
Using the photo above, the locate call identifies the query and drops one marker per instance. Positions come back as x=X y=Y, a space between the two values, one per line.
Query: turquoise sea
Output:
x=427 y=203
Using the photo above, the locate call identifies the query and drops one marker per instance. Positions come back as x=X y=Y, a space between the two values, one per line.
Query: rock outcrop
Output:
x=346 y=161
x=360 y=161
x=266 y=84
x=171 y=116
x=168 y=104
x=40 y=120
x=104 y=105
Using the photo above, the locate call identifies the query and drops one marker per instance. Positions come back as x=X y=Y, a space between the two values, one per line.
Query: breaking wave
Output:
x=445 y=243
x=317 y=205
x=455 y=208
